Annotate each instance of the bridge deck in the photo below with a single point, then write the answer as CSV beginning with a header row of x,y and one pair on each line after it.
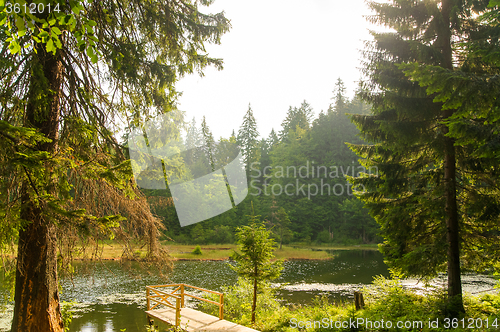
x,y
193,320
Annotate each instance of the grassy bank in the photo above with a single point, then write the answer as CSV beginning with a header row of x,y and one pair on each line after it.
x,y
388,307
213,252
112,250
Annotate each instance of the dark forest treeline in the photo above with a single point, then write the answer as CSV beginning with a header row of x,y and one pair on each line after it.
x,y
296,178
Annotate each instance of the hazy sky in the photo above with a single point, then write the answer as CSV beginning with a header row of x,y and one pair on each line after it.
x,y
277,54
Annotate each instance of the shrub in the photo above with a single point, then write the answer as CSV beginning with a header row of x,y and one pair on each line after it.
x,y
238,302
197,251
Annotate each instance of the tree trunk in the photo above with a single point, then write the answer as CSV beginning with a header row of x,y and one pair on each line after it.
x,y
455,300
254,303
36,293
36,288
281,237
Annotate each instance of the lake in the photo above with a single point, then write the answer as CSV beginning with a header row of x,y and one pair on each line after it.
x,y
112,298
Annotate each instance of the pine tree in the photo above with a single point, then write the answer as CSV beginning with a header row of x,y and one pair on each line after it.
x,y
339,96
296,117
272,140
257,250
209,147
473,92
192,141
59,155
248,139
415,194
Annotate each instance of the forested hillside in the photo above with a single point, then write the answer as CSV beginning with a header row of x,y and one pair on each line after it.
x,y
296,177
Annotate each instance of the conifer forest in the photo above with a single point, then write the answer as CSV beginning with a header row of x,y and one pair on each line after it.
x,y
410,161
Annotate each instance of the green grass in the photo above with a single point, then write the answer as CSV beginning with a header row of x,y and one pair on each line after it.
x,y
223,251
339,246
114,250
385,301
208,252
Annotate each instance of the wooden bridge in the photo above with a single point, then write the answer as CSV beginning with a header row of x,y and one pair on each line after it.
x,y
167,306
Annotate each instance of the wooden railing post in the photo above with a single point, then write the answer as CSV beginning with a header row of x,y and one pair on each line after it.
x,y
177,312
182,295
221,307
147,298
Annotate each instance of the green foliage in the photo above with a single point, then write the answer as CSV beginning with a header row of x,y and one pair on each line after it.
x,y
197,251
433,195
28,24
238,302
144,47
67,314
296,118
387,299
254,262
60,162
293,217
247,139
257,250
472,91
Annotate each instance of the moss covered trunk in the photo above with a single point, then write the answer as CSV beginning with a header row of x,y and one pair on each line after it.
x,y
36,289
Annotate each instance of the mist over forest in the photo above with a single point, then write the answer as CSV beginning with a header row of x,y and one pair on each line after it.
x,y
297,177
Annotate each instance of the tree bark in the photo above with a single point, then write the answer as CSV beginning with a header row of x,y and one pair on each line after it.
x,y
36,289
281,237
254,303
455,300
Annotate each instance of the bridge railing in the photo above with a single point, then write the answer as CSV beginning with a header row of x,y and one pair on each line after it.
x,y
159,295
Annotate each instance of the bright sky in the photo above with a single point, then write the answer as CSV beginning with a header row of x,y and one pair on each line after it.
x,y
277,54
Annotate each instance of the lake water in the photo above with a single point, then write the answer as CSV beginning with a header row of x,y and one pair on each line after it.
x,y
113,299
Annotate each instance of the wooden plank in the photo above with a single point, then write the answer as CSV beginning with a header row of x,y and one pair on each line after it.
x,y
202,299
193,320
161,293
202,289
158,286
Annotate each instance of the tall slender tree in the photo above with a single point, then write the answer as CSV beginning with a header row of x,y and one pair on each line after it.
x,y
414,195
193,142
296,117
209,147
248,139
254,261
272,140
473,92
59,155
339,96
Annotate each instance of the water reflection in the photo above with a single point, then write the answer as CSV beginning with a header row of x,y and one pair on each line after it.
x,y
112,298
337,278
111,317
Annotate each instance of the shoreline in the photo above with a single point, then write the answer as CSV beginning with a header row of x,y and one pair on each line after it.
x,y
112,251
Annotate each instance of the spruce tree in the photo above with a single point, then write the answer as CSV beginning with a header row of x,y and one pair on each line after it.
x,y
254,262
66,73
339,96
415,194
209,147
272,140
248,139
192,141
296,117
473,91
